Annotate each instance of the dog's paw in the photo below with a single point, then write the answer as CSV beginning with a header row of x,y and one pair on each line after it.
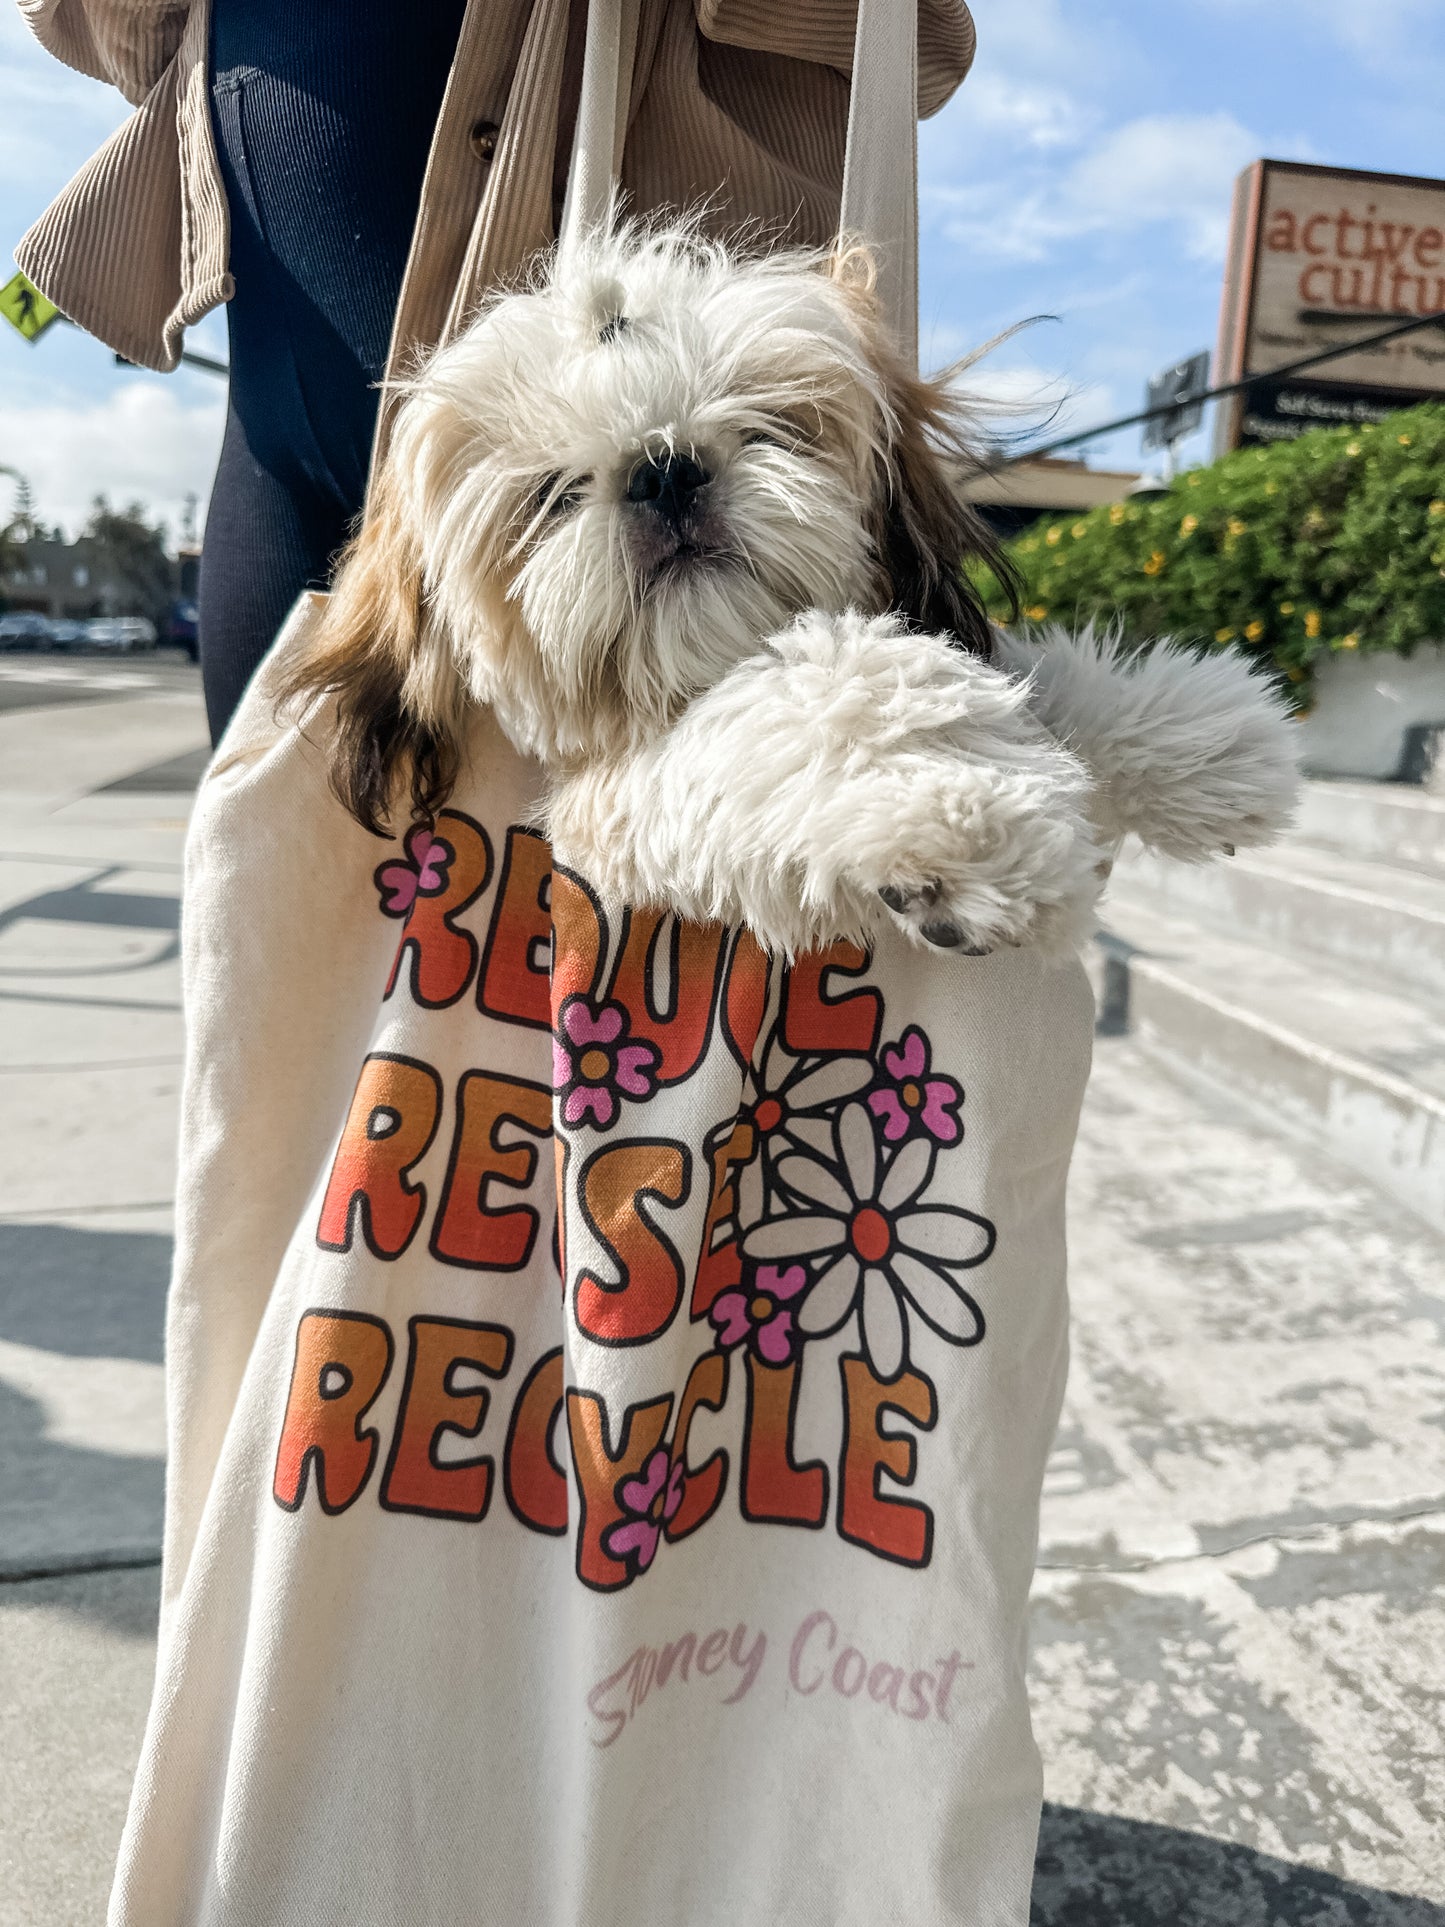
x,y
924,910
980,857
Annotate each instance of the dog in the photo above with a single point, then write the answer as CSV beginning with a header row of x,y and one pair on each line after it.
x,y
686,522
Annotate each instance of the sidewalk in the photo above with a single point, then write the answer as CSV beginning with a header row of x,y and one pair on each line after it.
x,y
1239,1617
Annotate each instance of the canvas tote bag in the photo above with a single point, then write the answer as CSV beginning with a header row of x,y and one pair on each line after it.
x,y
528,1560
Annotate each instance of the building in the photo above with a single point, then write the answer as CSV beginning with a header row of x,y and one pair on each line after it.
x,y
1010,498
79,579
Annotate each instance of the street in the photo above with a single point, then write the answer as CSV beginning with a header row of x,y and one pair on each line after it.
x,y
1239,1614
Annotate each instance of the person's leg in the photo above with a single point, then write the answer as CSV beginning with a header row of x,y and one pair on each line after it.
x,y
323,116
266,540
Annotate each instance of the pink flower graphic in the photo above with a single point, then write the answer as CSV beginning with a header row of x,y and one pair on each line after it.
x,y
763,1316
592,1060
877,1247
650,1501
908,1101
420,872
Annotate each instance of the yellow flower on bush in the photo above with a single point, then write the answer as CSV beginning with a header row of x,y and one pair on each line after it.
x,y
1117,514
1079,531
1352,448
1312,623
1224,635
1286,608
1054,536
1351,641
1036,611
1189,525
1253,630
1235,526
1155,564
1437,507
1404,440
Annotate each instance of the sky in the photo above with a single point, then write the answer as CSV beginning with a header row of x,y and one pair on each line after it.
x,y
1083,172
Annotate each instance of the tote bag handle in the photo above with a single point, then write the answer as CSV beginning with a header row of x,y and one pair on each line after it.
x,y
880,168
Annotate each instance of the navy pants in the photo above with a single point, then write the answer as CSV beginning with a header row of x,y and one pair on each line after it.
x,y
323,114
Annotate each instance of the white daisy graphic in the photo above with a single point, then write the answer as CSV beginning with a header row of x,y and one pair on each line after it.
x,y
791,1111
877,1247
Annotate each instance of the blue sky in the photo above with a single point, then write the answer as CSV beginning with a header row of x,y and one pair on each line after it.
x,y
1083,170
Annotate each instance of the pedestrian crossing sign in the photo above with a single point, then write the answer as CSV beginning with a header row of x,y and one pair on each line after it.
x,y
25,307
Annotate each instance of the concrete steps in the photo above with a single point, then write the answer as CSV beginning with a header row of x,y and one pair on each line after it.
x,y
1306,983
1378,917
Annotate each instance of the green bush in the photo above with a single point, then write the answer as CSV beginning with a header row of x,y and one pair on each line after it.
x,y
1335,541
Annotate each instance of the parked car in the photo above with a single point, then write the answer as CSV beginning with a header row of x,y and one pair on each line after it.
x,y
23,629
63,633
120,632
181,631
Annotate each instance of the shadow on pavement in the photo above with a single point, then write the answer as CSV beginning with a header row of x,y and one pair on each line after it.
x,y
125,1600
86,1294
1095,1870
68,1510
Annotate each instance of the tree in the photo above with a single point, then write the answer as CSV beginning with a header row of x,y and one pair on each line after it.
x,y
135,549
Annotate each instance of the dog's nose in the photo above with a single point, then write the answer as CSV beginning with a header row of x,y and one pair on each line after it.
x,y
667,483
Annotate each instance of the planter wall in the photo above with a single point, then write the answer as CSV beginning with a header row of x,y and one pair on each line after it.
x,y
1364,704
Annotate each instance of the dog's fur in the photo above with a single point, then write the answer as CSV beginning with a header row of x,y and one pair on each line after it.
x,y
772,696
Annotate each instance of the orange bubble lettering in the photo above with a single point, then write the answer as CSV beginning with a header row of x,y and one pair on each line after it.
x,y
515,979
391,1123
469,1230
342,1361
433,1404
615,1184
896,1529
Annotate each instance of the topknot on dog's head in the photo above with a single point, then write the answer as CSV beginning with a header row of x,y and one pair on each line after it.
x,y
618,481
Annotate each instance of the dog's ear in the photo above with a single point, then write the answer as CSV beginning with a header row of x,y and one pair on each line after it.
x,y
925,533
390,721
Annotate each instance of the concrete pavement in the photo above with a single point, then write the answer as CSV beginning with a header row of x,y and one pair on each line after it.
x,y
1239,1640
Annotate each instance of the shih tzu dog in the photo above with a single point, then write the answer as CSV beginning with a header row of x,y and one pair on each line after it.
x,y
687,523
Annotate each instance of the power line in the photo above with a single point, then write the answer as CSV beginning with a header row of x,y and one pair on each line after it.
x,y
1225,388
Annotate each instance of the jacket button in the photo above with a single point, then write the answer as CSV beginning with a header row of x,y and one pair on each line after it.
x,y
484,139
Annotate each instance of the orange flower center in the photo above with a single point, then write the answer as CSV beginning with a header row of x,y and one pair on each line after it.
x,y
871,1234
594,1064
655,1510
769,1115
911,1096
761,1308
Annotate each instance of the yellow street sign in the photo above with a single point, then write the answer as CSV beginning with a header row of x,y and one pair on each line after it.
x,y
25,307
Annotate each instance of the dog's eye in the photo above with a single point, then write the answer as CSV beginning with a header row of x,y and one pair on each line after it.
x,y
555,500
784,435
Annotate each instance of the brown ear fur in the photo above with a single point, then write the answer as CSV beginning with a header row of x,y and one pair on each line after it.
x,y
925,533
364,658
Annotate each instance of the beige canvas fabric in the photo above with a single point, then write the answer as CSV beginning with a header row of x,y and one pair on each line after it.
x,y
744,102
527,1561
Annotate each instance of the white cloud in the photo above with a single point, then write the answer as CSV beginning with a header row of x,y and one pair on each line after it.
x,y
1175,169
1166,167
147,440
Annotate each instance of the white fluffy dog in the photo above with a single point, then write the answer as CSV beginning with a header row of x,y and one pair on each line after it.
x,y
690,527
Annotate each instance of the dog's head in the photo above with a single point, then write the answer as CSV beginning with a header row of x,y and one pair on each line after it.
x,y
613,486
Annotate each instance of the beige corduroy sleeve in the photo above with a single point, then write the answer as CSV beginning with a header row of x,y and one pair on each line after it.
x,y
129,43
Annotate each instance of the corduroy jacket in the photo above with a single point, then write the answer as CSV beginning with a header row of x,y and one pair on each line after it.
x,y
743,102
